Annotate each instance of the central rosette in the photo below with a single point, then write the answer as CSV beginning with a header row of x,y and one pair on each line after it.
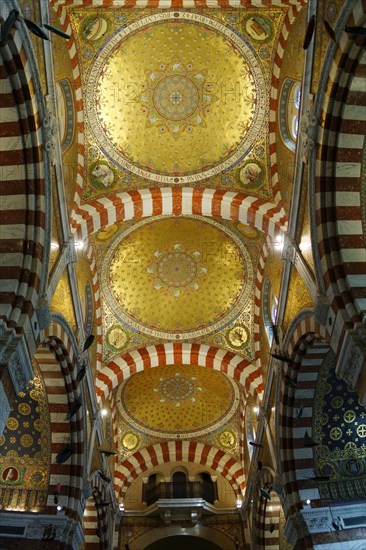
x,y
177,269
176,97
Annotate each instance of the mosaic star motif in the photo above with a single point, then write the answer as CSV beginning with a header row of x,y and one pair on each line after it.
x,y
176,270
176,98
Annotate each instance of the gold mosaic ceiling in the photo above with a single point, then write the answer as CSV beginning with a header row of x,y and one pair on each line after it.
x,y
174,402
162,88
176,97
176,277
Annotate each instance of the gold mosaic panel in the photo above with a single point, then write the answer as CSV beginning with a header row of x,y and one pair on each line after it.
x,y
177,401
176,277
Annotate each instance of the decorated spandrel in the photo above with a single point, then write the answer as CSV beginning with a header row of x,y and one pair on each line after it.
x,y
24,450
340,427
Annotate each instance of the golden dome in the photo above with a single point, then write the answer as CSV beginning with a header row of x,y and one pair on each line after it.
x,y
177,401
177,277
161,102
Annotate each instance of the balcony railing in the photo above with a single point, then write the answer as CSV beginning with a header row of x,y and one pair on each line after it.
x,y
179,489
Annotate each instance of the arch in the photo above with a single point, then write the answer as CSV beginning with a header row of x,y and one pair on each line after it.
x,y
96,520
266,514
335,180
56,358
295,419
293,11
24,188
227,362
180,451
178,201
199,531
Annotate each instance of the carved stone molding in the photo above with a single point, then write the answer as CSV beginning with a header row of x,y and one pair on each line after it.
x,y
353,356
49,132
308,129
43,314
20,367
8,342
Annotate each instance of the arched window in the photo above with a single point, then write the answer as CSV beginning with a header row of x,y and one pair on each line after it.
x,y
269,305
290,99
179,485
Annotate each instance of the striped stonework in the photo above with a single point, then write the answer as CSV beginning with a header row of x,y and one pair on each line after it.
x,y
179,201
293,11
179,451
266,514
56,360
296,418
56,4
337,191
22,190
234,366
96,519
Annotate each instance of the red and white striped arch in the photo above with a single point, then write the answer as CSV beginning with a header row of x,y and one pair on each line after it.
x,y
293,11
96,520
296,463
266,248
56,360
222,4
178,201
173,353
337,197
266,514
22,186
179,451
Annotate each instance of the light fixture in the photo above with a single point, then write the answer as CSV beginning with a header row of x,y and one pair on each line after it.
x,y
308,501
121,507
59,508
79,245
239,502
54,245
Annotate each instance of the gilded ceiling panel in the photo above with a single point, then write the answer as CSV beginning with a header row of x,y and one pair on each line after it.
x,y
178,402
177,278
176,97
25,448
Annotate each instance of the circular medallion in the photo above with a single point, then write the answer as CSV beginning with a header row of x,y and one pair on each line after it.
x,y
177,388
130,441
177,86
192,275
335,433
337,402
361,430
176,97
171,401
177,269
238,336
26,440
227,439
349,416
12,423
24,408
116,338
